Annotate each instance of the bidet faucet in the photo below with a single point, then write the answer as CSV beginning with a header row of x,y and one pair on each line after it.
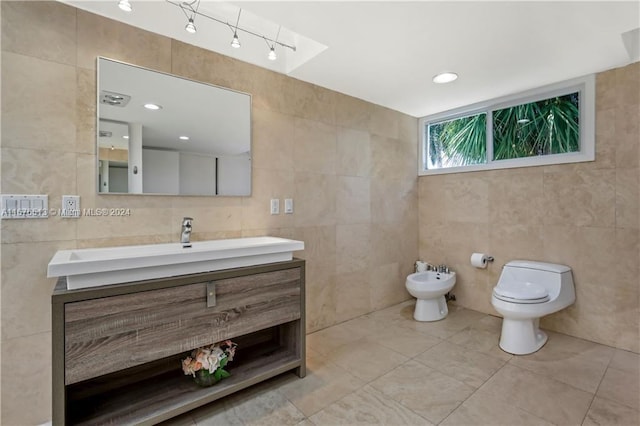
x,y
185,235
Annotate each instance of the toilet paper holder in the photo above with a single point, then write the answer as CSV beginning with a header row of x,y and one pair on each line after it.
x,y
480,260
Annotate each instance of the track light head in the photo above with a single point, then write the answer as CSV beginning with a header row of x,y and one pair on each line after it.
x,y
190,27
272,54
236,42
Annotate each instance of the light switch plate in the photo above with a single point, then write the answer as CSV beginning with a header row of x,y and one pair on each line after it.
x,y
288,206
24,206
275,206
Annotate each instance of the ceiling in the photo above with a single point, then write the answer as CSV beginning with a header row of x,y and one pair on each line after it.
x,y
388,52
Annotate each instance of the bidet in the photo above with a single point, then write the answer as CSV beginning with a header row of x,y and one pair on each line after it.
x,y
429,288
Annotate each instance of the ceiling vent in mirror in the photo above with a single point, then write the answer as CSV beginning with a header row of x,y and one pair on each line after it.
x,y
114,99
105,133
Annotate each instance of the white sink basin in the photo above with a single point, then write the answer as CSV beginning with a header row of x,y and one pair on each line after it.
x,y
112,265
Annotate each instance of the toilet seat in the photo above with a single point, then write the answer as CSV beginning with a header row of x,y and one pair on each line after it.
x,y
519,292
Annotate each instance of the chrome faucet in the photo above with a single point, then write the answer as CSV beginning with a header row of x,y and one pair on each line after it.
x,y
185,235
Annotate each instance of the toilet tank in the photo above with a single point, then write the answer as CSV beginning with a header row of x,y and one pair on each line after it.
x,y
549,275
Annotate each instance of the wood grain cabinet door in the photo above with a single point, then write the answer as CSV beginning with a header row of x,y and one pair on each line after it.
x,y
113,333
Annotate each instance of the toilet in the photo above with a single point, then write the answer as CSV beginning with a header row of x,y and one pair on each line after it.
x,y
527,291
429,288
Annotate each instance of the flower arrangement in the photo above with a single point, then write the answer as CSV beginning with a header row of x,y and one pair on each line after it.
x,y
207,364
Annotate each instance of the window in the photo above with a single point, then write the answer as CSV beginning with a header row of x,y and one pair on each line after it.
x,y
551,125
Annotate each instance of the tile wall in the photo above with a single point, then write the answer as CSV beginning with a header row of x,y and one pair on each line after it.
x,y
348,164
583,215
350,167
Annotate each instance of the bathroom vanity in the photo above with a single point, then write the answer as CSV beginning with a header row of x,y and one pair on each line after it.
x,y
117,349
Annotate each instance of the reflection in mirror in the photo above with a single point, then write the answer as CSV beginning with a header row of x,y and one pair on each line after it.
x,y
163,134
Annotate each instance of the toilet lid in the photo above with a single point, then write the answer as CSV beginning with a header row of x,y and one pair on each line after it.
x,y
521,291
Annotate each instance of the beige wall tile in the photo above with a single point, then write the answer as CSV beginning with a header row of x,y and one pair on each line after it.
x,y
606,90
515,197
140,222
391,200
387,285
519,241
273,140
392,159
408,131
627,255
384,122
314,148
353,200
29,171
202,65
353,245
26,393
353,152
584,198
320,299
40,29
605,139
39,110
315,199
207,220
99,36
85,111
353,295
627,134
628,85
627,198
589,251
308,101
352,112
26,290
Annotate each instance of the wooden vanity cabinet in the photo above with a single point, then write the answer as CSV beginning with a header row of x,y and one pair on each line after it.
x,y
117,348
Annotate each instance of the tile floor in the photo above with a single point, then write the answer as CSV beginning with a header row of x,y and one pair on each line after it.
x,y
385,368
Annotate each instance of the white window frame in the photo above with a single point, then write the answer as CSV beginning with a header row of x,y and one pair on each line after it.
x,y
584,85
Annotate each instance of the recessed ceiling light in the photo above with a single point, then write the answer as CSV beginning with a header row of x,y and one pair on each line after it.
x,y
153,107
125,137
125,5
184,138
445,77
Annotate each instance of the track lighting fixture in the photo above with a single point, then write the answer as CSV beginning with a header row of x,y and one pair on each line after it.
x,y
190,10
125,5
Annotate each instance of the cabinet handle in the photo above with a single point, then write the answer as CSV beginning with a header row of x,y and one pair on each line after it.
x,y
211,294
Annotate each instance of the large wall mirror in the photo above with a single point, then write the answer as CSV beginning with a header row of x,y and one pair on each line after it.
x,y
163,134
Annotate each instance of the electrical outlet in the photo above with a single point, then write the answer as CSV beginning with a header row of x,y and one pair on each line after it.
x,y
70,206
